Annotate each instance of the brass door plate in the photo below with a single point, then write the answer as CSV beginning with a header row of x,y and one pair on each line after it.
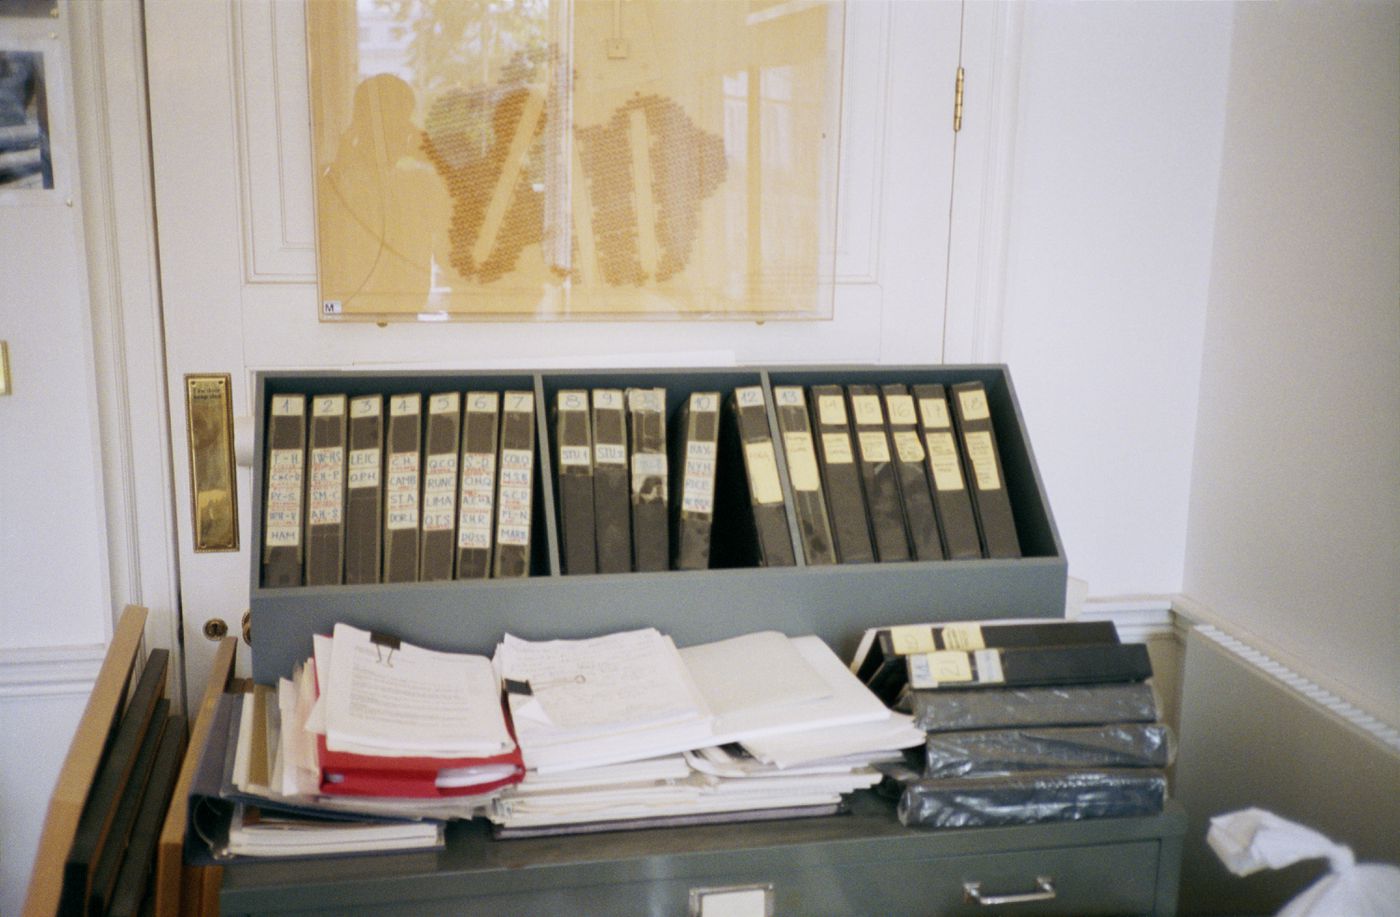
x,y
213,483
5,368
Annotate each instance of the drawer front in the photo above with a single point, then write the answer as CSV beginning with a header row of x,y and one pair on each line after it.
x,y
1083,881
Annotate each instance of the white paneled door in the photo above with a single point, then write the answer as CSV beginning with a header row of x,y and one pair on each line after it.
x,y
233,183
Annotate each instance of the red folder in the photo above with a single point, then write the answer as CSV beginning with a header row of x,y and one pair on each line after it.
x,y
350,774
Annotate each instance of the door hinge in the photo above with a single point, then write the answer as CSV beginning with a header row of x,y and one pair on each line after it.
x,y
958,103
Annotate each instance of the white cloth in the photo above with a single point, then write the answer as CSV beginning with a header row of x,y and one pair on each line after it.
x,y
1253,839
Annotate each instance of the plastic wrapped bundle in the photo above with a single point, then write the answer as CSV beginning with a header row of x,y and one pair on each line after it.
x,y
999,751
1007,708
1031,797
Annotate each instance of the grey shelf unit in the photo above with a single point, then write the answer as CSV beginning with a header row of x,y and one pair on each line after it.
x,y
835,602
861,863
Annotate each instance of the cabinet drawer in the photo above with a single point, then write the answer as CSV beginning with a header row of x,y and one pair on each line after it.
x,y
1084,881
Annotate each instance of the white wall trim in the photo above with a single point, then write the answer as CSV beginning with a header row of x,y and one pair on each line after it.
x,y
49,671
983,176
128,336
1137,618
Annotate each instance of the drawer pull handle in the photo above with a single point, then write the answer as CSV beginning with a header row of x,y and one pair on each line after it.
x,y
1044,891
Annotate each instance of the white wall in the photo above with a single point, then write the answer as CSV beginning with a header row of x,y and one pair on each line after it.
x,y
1116,163
1295,513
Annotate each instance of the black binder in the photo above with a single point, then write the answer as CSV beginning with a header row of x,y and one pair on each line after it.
x,y
765,488
574,477
285,488
989,496
646,423
696,463
515,495
364,490
130,890
612,504
110,783
909,465
440,448
325,492
1029,666
878,474
476,516
813,523
845,499
402,466
956,520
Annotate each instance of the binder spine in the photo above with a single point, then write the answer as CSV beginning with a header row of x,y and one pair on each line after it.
x,y
878,475
765,487
909,457
1029,666
282,555
401,486
515,495
574,471
809,502
612,506
850,527
697,461
988,483
651,543
956,521
325,496
440,486
475,516
363,490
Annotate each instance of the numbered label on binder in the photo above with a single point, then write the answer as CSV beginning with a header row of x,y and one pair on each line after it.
x,y
984,461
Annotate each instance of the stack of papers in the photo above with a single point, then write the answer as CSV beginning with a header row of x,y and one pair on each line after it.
x,y
767,726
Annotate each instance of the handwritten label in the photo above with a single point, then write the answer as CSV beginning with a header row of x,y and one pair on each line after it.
x,y
929,670
404,405
478,493
517,486
482,402
520,402
836,447
912,639
647,465
575,455
802,461
325,496
908,447
364,468
974,404
989,667
789,396
607,399
749,397
831,409
611,454
984,461
401,491
901,410
328,406
288,405
445,403
645,399
866,409
935,411
874,447
365,407
698,486
764,486
704,402
962,637
284,471
573,401
439,492
943,462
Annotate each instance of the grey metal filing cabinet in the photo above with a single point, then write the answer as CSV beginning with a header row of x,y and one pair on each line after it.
x,y
861,863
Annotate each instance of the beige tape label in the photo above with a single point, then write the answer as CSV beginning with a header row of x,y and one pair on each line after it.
x,y
478,492
802,461
962,636
831,409
482,402
573,401
866,409
364,468
404,405
935,413
790,396
328,406
284,471
401,491
974,404
440,492
901,410
698,486
943,462
749,396
288,405
764,486
984,460
517,484
908,447
607,399
325,495
520,402
365,407
836,447
929,670
911,639
445,403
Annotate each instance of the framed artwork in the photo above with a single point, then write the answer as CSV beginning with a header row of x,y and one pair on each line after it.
x,y
575,159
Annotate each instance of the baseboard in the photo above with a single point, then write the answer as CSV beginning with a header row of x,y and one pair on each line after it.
x,y
49,671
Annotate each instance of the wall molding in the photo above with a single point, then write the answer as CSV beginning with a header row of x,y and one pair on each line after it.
x,y
49,671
